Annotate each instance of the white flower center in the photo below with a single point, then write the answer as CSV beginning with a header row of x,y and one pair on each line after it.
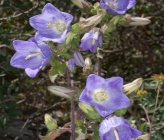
x,y
112,4
100,95
58,26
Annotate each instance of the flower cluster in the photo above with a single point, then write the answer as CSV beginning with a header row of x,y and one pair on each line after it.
x,y
33,54
106,96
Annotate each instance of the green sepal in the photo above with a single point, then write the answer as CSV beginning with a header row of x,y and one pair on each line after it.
x,y
90,112
57,68
120,112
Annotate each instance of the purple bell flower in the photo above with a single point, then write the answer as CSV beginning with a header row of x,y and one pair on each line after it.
x,y
91,40
104,94
117,7
117,128
30,56
52,24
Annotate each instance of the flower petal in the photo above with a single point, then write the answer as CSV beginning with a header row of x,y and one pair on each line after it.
x,y
86,97
123,132
134,132
121,5
46,51
94,82
109,136
59,39
19,61
86,44
52,10
31,73
131,4
40,23
24,46
68,18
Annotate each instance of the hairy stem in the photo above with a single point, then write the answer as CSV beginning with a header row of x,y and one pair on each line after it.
x,y
99,66
72,107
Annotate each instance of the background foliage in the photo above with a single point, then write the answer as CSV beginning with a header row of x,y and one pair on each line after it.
x,y
134,52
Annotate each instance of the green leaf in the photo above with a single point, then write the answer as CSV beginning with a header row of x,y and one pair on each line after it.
x,y
65,55
57,68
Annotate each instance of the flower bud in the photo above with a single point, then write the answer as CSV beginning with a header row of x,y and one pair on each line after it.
x,y
61,91
133,86
86,24
89,111
88,68
136,21
82,4
144,137
79,61
50,123
88,63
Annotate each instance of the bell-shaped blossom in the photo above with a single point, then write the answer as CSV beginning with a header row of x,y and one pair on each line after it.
x,y
52,24
30,56
117,128
104,94
117,7
91,40
77,60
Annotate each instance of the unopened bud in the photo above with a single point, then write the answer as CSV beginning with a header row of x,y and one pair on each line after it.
x,y
82,4
88,63
136,21
86,24
50,123
133,86
144,137
79,61
61,91
89,111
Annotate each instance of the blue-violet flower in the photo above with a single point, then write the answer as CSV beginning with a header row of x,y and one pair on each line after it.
x,y
30,56
117,7
117,128
104,94
91,40
52,24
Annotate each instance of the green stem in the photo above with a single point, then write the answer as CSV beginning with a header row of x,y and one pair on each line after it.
x,y
156,102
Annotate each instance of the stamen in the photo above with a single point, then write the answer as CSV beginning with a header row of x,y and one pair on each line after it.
x,y
100,96
93,42
31,55
49,25
116,134
59,26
